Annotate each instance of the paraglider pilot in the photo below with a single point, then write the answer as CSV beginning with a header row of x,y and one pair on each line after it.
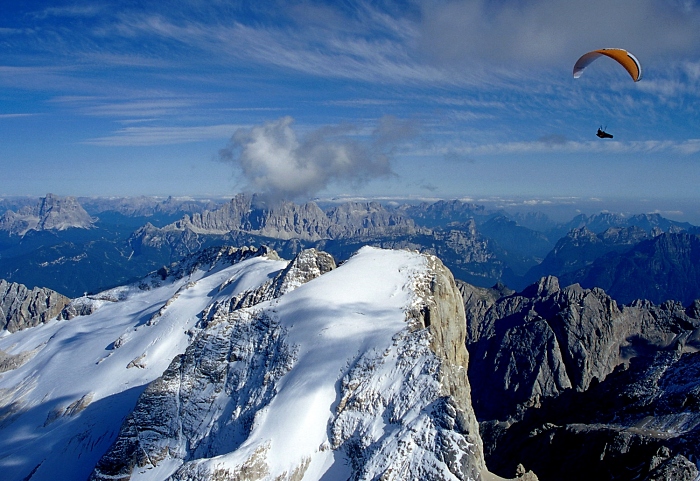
x,y
603,134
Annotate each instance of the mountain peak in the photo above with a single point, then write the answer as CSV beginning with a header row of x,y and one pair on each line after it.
x,y
354,371
51,213
545,287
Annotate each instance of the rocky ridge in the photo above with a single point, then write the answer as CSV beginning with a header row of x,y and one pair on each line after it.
x,y
286,220
480,246
581,246
144,206
21,307
470,255
660,268
652,224
557,368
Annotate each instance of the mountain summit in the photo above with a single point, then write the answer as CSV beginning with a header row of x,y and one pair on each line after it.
x,y
235,364
51,213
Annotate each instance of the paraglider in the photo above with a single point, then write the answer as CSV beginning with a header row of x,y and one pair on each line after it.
x,y
628,61
603,134
623,57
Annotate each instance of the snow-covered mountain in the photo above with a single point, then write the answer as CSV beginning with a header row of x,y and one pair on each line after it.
x,y
239,365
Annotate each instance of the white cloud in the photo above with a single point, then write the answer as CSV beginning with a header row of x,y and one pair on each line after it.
x,y
688,147
133,108
381,52
276,161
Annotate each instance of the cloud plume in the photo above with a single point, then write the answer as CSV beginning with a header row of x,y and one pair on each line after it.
x,y
276,161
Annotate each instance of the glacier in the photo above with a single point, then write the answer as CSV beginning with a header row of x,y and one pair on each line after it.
x,y
239,365
62,408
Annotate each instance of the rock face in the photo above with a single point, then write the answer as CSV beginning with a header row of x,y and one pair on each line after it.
x,y
21,308
442,213
652,224
581,247
665,267
249,398
562,368
629,263
479,246
51,213
286,220
442,308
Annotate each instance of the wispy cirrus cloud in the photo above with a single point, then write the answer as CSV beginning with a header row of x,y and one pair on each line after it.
x,y
135,107
149,136
377,53
547,32
484,78
11,31
556,144
139,108
460,43
88,10
14,116
438,43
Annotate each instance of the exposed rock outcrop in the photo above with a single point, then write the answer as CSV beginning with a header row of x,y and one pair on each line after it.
x,y
307,265
236,350
21,307
545,340
145,206
444,212
69,385
207,258
652,224
441,313
583,388
339,230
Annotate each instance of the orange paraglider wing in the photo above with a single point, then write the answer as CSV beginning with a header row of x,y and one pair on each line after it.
x,y
623,57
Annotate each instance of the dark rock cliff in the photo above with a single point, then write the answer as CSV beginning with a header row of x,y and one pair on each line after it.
x,y
581,387
21,307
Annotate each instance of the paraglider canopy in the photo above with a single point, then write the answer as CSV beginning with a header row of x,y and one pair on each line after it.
x,y
623,57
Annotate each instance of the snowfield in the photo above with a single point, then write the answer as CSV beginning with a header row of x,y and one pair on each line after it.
x,y
331,322
328,379
62,409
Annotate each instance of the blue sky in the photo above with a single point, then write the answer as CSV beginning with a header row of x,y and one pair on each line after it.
x,y
307,99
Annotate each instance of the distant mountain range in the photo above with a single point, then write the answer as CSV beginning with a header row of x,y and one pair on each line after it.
x,y
61,245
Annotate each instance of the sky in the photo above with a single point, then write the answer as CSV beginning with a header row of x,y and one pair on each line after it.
x,y
320,99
